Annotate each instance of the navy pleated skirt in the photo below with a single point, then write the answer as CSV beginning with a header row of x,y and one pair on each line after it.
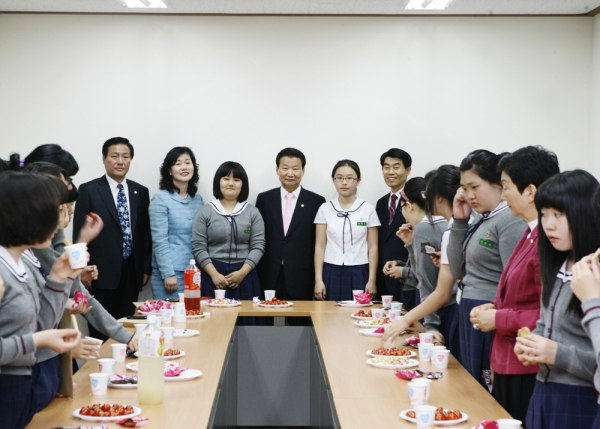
x,y
341,280
248,289
449,329
561,406
474,345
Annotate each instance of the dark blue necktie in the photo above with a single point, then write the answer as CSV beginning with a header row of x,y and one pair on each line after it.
x,y
123,212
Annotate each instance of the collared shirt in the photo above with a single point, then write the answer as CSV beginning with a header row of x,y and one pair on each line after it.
x,y
115,191
532,225
397,194
294,200
17,269
347,231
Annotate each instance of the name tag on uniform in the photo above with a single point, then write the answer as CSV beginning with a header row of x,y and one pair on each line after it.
x,y
486,243
361,223
247,231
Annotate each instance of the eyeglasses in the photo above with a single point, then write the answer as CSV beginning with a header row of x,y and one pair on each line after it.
x,y
340,179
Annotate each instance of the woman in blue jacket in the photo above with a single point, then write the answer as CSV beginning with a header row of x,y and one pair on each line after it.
x,y
172,212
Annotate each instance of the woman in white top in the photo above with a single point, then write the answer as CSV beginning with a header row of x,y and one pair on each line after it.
x,y
346,242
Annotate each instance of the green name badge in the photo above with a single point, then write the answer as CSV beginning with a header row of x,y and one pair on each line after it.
x,y
247,231
486,243
361,223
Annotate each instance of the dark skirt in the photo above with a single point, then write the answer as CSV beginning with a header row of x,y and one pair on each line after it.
x,y
248,289
596,424
513,392
561,406
15,401
409,298
47,377
449,329
341,280
474,345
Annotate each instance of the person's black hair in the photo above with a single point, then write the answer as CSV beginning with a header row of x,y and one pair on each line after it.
x,y
346,163
399,154
224,170
115,141
73,194
50,152
570,193
484,163
530,165
290,152
53,171
444,182
413,189
29,212
46,168
166,180
4,166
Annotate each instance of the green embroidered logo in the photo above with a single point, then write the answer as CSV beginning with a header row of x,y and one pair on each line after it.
x,y
361,223
486,243
247,231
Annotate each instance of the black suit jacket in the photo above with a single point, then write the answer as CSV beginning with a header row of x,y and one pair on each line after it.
x,y
391,248
297,248
106,251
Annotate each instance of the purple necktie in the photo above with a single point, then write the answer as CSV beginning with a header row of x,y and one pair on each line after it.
x,y
392,209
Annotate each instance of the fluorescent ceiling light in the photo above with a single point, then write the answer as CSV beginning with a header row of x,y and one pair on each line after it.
x,y
428,4
144,4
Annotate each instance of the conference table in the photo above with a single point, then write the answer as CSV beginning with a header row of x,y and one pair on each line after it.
x,y
362,395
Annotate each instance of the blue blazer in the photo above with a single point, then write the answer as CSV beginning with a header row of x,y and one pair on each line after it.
x,y
171,219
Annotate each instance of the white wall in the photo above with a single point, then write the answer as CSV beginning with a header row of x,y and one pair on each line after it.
x,y
242,88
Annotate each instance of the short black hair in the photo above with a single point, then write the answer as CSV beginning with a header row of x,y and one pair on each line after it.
x,y
224,170
31,217
444,182
570,193
346,163
530,165
115,141
399,154
73,194
413,190
166,180
484,163
291,153
53,171
50,152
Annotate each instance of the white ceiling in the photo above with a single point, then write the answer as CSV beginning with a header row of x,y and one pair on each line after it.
x,y
311,7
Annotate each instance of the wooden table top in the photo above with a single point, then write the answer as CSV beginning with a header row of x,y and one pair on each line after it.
x,y
364,396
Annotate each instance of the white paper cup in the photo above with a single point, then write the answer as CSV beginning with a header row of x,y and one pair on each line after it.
x,y
77,255
425,416
99,382
425,337
426,382
441,359
168,334
166,314
394,314
509,424
179,315
269,294
356,292
417,393
377,313
386,300
396,306
106,366
434,350
118,352
139,327
425,352
220,293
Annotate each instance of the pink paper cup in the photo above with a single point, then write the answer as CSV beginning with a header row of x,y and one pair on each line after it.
x,y
441,359
119,351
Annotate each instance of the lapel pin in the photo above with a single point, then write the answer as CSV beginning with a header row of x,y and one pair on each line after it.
x,y
488,234
301,205
135,192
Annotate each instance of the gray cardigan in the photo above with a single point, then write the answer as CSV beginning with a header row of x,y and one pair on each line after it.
x,y
575,360
25,308
98,317
487,252
426,272
213,237
591,326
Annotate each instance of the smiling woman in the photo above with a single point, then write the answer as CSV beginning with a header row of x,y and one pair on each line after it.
x,y
172,211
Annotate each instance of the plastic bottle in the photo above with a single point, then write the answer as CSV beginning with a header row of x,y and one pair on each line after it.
x,y
151,372
191,286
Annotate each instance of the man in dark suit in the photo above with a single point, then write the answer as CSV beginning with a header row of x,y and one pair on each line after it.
x,y
395,166
289,211
123,249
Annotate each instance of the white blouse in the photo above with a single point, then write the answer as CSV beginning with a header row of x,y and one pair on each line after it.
x,y
347,231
